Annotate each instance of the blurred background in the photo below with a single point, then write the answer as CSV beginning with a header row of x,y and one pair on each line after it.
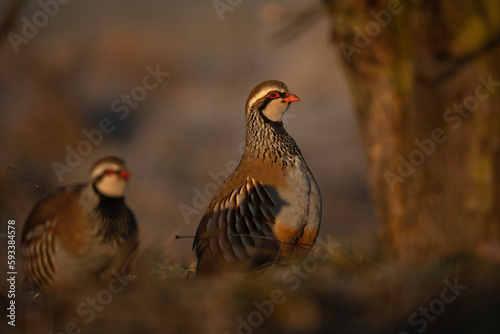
x,y
86,62
66,79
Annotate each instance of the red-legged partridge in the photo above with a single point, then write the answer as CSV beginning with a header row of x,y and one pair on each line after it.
x,y
76,236
269,209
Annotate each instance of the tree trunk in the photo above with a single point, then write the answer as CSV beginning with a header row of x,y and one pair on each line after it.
x,y
425,81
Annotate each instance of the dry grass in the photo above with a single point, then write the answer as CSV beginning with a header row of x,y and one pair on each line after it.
x,y
343,294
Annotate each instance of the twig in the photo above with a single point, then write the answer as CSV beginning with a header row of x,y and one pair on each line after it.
x,y
183,236
36,186
295,244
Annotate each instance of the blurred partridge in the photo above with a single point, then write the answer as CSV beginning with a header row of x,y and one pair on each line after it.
x,y
269,209
76,236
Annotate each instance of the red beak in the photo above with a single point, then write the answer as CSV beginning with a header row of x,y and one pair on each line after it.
x,y
124,174
290,98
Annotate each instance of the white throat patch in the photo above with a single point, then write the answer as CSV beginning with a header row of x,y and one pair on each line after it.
x,y
275,110
111,185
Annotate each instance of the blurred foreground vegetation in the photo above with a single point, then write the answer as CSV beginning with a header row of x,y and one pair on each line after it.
x,y
328,292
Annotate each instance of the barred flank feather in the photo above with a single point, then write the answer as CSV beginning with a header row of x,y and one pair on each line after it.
x,y
38,249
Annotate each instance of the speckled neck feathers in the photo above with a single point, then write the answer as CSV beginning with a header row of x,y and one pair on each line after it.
x,y
117,223
266,139
112,218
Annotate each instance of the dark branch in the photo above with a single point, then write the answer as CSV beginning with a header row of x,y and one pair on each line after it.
x,y
465,59
183,236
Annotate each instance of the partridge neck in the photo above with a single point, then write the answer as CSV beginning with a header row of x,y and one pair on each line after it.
x,y
112,213
266,139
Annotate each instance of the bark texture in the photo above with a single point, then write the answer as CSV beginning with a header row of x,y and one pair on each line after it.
x,y
425,81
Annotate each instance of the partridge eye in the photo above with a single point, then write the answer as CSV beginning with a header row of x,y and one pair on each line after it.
x,y
110,171
273,95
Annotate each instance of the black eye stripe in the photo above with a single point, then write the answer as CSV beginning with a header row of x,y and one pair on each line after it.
x,y
110,172
262,103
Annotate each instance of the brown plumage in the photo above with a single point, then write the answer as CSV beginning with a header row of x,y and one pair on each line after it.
x,y
269,209
76,236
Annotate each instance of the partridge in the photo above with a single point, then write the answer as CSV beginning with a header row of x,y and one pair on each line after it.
x,y
76,236
269,209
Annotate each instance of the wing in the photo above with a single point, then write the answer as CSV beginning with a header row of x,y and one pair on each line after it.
x,y
38,238
38,254
237,230
38,244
